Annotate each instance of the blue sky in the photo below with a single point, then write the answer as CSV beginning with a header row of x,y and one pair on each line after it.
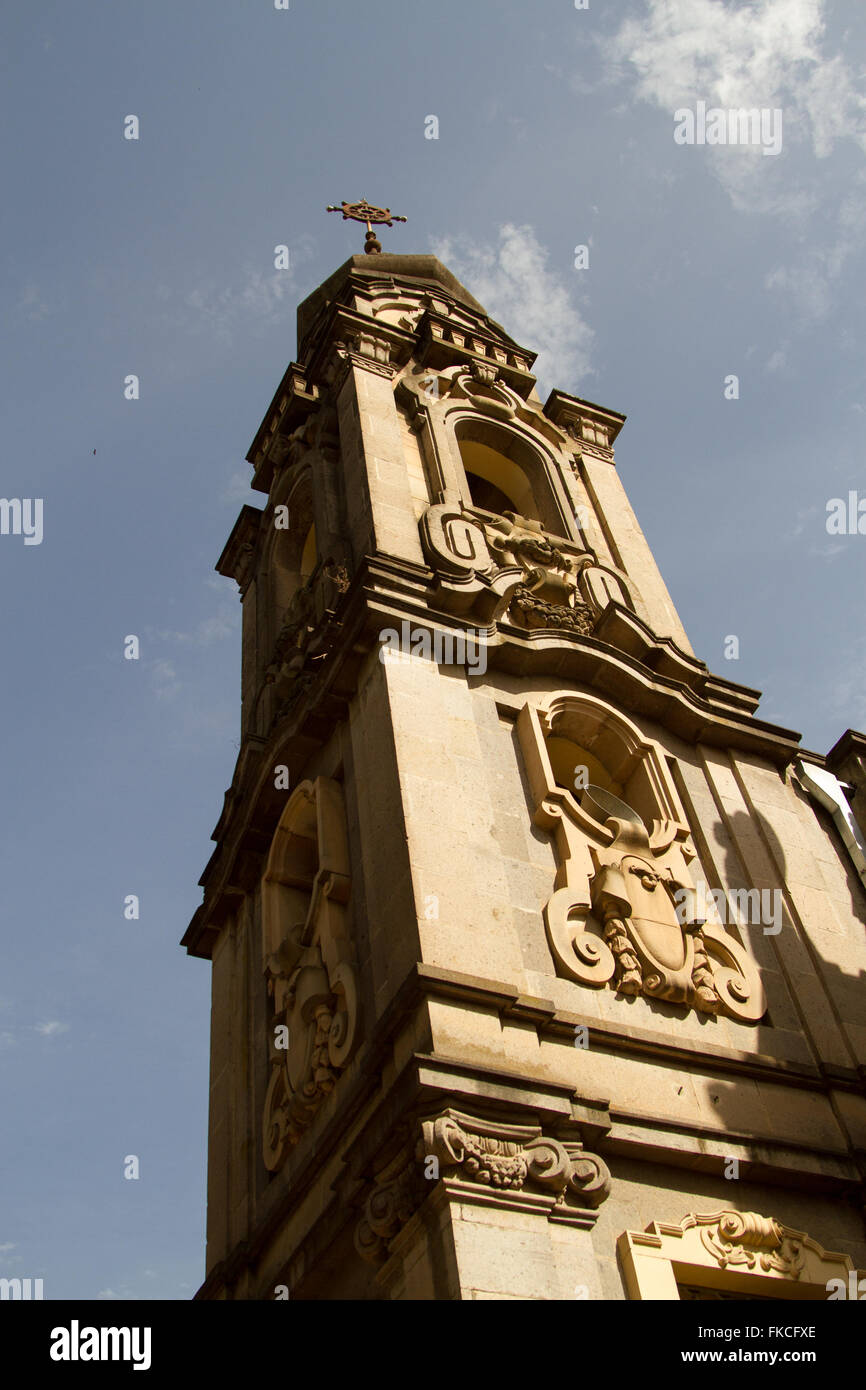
x,y
156,257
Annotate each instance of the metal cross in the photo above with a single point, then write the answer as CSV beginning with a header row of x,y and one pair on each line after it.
x,y
364,212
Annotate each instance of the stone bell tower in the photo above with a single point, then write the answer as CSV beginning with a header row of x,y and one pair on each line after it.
x,y
537,959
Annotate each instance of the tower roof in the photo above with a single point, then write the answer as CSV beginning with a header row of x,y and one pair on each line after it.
x,y
424,270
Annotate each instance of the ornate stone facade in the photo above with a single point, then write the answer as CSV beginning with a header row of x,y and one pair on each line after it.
x,y
469,1011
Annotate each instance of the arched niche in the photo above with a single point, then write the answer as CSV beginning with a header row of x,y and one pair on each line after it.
x,y
568,758
614,750
624,912
309,963
504,472
291,553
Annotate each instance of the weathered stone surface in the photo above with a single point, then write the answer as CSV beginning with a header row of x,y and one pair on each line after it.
x,y
528,1013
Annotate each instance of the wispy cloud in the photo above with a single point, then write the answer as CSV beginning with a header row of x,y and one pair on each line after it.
x,y
805,520
208,631
767,54
224,622
847,693
778,360
52,1028
514,282
35,304
237,488
14,1033
164,679
830,550
257,295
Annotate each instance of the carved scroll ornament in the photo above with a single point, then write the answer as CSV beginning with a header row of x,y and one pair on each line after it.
x,y
516,1156
747,1238
491,1156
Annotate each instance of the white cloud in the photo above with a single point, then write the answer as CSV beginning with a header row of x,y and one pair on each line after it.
x,y
51,1029
514,282
766,54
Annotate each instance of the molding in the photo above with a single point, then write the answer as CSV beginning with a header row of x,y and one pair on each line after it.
x,y
293,401
484,1161
239,554
729,1252
551,1021
591,427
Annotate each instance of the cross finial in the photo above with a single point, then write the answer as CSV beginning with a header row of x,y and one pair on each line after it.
x,y
364,212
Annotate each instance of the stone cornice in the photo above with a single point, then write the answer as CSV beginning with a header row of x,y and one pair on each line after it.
x,y
628,680
237,560
593,427
293,401
509,1003
444,344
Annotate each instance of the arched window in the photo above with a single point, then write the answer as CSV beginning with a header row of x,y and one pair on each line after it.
x,y
505,473
497,483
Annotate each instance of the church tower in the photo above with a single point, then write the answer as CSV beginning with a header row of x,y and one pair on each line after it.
x,y
538,956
